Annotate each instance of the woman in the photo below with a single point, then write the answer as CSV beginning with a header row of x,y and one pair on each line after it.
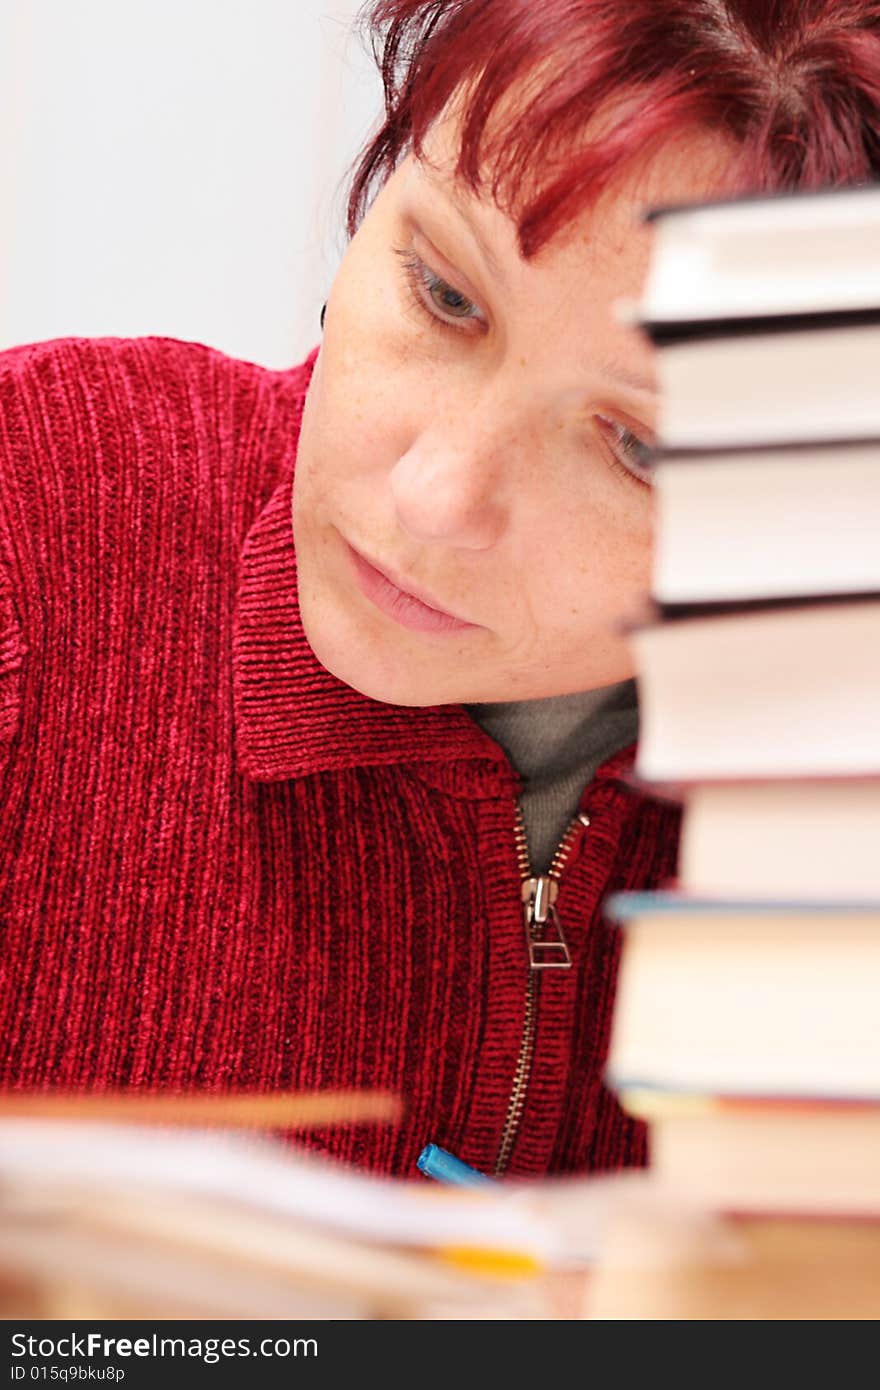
x,y
315,714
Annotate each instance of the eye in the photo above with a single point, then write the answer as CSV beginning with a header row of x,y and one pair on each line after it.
x,y
631,456
434,297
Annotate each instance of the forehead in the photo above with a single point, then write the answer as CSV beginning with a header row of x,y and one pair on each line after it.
x,y
689,166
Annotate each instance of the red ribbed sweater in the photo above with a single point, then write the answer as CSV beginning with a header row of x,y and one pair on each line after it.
x,y
220,867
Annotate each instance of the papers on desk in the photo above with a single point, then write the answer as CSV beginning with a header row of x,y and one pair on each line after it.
x,y
218,1224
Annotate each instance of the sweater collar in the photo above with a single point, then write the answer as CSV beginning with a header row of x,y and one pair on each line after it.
x,y
294,718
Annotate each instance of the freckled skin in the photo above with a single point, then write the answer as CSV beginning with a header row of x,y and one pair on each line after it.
x,y
470,461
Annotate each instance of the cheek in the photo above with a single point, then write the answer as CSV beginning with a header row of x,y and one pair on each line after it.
x,y
310,429
356,427
379,384
601,568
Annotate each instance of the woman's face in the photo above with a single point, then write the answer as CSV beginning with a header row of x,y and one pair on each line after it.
x,y
474,428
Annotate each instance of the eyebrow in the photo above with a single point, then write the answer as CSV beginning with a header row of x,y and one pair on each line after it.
x,y
614,372
458,200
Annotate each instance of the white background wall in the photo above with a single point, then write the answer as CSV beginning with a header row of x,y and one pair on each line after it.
x,y
176,167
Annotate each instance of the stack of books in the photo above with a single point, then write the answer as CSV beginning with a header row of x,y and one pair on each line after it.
x,y
747,1027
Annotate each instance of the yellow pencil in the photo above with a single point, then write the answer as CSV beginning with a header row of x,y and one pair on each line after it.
x,y
498,1264
283,1110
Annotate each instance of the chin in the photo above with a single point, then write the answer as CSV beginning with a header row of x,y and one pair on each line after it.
x,y
388,678
388,688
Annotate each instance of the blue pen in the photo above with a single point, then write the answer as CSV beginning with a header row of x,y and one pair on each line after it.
x,y
435,1162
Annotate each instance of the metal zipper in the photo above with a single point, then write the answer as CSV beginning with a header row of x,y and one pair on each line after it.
x,y
547,949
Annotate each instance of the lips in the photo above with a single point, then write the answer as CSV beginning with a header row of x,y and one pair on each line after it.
x,y
409,609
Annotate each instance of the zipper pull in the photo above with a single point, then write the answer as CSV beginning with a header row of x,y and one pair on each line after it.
x,y
548,948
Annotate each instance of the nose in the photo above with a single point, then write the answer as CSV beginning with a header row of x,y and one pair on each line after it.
x,y
451,491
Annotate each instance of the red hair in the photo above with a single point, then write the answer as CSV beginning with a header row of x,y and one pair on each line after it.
x,y
794,83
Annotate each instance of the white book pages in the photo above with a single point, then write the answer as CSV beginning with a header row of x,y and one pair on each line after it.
x,y
782,840
800,254
272,1179
768,524
250,1191
789,692
781,1158
755,1003
769,388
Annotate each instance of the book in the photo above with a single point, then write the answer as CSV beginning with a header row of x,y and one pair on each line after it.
x,y
789,838
785,690
804,381
790,520
672,1259
793,252
746,998
815,1156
